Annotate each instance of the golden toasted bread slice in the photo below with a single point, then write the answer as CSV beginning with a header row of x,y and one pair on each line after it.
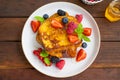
x,y
55,41
38,37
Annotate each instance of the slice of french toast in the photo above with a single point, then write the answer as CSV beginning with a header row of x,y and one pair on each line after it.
x,y
55,41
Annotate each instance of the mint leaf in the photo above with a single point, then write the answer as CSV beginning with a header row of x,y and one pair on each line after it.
x,y
44,54
79,36
41,19
85,38
47,61
79,29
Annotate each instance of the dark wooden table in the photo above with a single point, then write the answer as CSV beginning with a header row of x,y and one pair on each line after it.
x,y
13,64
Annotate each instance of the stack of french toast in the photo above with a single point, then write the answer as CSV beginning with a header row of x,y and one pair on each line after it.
x,y
55,40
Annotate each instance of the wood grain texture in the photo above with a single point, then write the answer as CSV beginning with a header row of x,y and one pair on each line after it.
x,y
12,57
14,65
32,74
11,29
23,8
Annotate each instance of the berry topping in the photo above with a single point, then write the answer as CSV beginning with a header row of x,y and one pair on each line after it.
x,y
40,50
40,58
79,30
65,20
69,31
56,24
36,52
61,12
75,33
54,59
45,16
60,64
73,38
87,31
35,25
84,44
71,27
79,17
43,56
81,55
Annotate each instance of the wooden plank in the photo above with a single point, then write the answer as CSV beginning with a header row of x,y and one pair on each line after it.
x,y
12,57
109,31
11,29
32,74
24,8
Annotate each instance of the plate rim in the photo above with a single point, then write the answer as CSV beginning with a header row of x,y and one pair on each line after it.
x,y
98,31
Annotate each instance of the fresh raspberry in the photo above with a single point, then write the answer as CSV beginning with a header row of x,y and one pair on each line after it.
x,y
79,17
69,31
60,64
40,58
71,27
40,50
36,52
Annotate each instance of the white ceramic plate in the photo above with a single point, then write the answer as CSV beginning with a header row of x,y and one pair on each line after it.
x,y
71,67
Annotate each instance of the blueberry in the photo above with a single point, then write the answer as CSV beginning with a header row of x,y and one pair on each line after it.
x,y
54,59
84,44
61,12
45,16
65,20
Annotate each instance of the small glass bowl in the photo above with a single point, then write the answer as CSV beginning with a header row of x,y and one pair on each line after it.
x,y
91,2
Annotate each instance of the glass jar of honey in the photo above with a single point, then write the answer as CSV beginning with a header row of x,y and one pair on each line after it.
x,y
112,12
